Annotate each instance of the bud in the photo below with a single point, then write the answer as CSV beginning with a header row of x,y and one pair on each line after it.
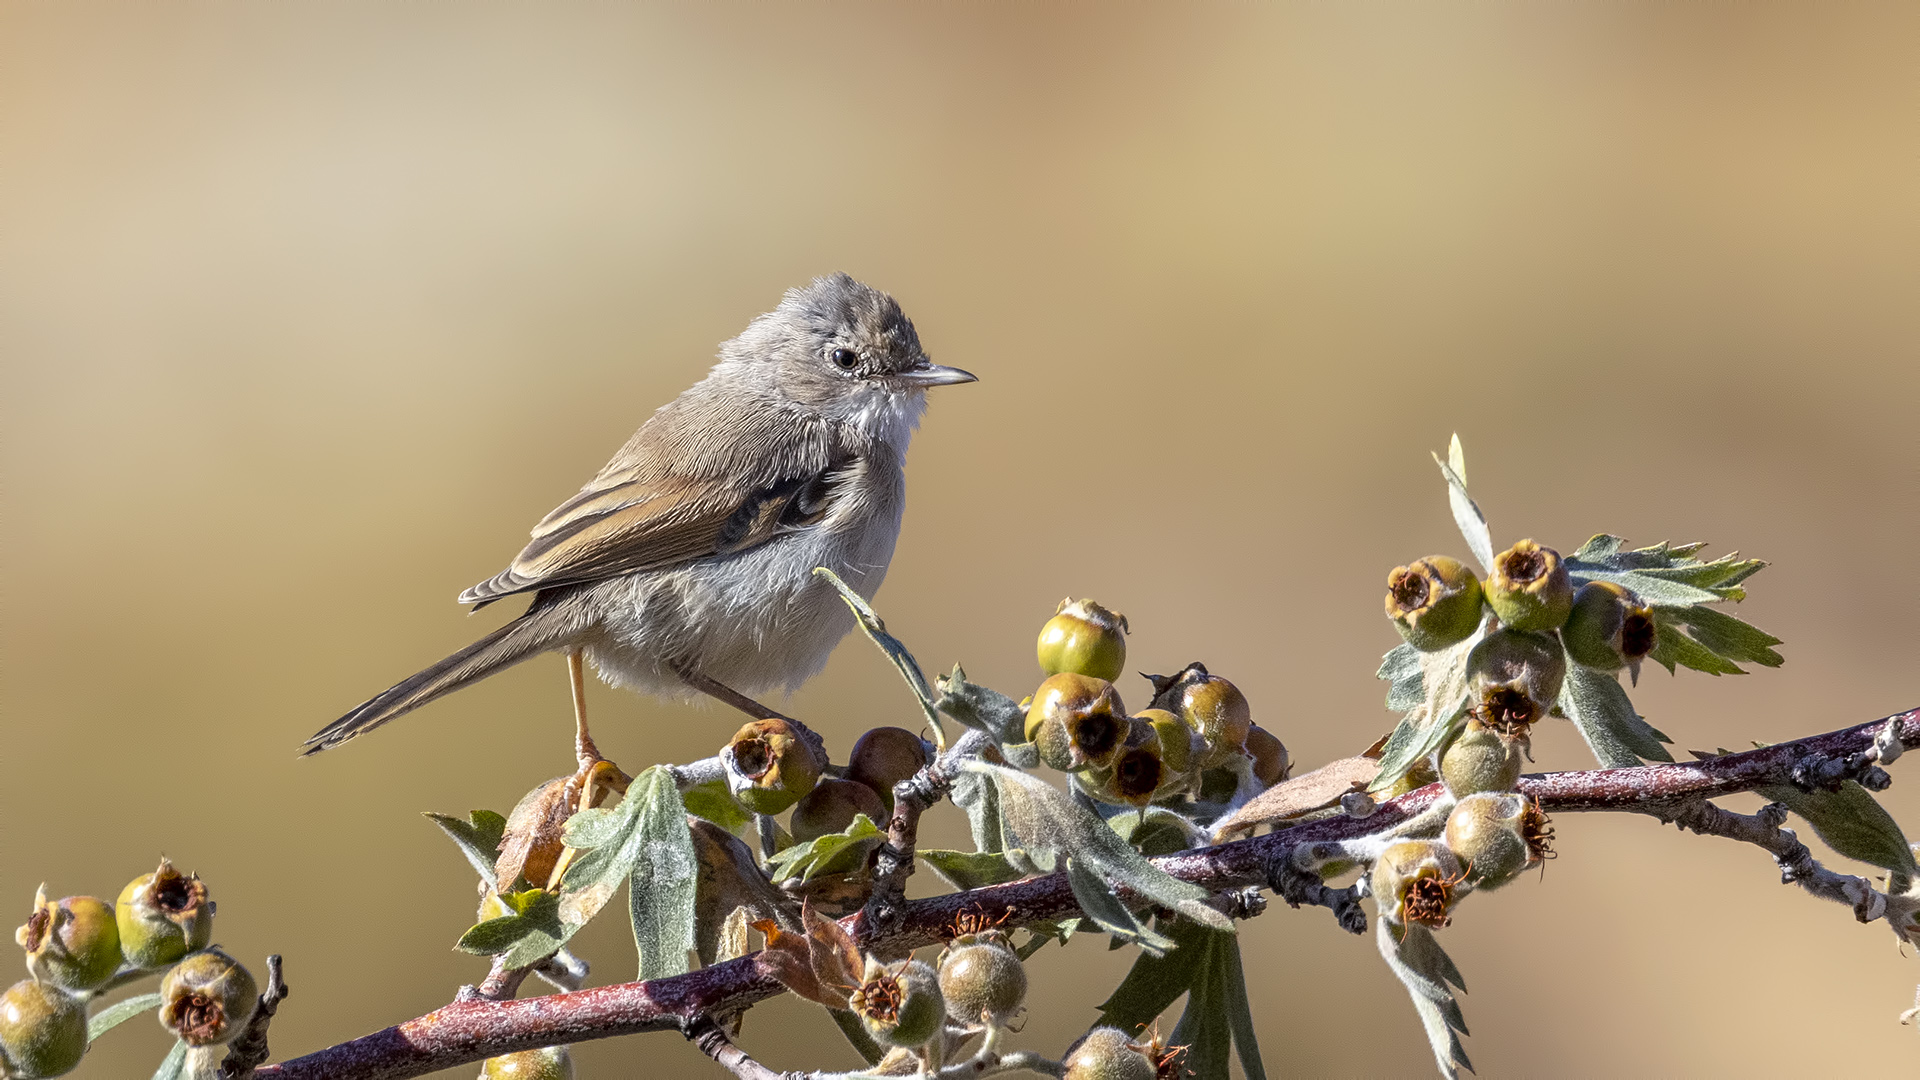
x,y
1481,759
43,1031
830,807
1515,678
162,917
1417,881
1530,589
770,766
207,999
1609,628
1211,706
982,979
885,756
1498,836
900,1006
1077,722
1270,761
72,943
1107,1053
1086,639
546,1063
1435,602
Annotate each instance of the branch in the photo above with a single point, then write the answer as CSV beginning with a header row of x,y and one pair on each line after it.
x,y
467,1031
1797,864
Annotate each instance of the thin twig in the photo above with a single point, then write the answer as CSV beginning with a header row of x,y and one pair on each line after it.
x,y
893,862
1797,864
713,1042
249,1050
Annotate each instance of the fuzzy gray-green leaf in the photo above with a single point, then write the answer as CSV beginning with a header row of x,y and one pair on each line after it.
x,y
966,870
1096,898
1401,668
1466,512
1157,981
1424,968
119,1013
981,707
1600,708
174,1065
876,631
478,838
1730,637
1852,822
664,880
714,802
832,853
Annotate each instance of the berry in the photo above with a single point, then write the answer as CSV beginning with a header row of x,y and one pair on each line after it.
x,y
1107,1053
43,1031
1530,589
162,917
770,766
1077,722
72,943
1434,603
1609,628
1086,639
207,999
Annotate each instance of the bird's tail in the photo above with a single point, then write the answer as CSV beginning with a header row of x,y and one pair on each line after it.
x,y
542,628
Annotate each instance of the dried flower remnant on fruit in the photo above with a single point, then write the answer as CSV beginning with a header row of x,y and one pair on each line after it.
x,y
1433,602
73,942
1077,722
1609,628
1084,638
900,1006
1514,677
207,999
1530,588
1537,829
162,917
1417,881
770,766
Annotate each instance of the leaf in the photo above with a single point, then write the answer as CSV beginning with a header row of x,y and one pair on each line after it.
x,y
1466,513
832,853
1401,668
1672,646
1106,910
981,707
531,933
119,1013
1298,795
174,1065
966,870
1204,1029
714,802
876,631
1427,725
1730,637
1662,575
1157,980
664,882
1155,830
1239,1009
1852,822
1600,708
1049,826
981,800
1424,968
857,1036
478,838
731,884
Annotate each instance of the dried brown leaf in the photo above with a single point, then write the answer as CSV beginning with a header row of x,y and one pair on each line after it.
x,y
1303,794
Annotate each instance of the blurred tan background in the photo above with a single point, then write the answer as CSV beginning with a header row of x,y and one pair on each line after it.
x,y
312,310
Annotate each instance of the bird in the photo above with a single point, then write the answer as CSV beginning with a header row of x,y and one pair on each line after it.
x,y
685,566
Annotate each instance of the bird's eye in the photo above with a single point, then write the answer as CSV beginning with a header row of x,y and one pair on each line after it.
x,y
844,359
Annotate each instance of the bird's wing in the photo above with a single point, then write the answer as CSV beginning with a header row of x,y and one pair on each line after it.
x,y
620,523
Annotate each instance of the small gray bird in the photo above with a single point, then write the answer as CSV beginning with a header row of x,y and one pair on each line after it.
x,y
687,563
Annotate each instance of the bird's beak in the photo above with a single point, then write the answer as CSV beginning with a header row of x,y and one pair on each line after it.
x,y
934,375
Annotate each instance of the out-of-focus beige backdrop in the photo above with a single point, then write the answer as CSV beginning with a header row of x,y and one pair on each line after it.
x,y
311,310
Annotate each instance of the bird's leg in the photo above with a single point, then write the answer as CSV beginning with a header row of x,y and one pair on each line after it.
x,y
583,749
720,691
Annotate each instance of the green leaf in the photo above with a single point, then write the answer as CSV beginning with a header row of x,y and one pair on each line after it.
x,y
1424,968
1852,822
1428,724
876,630
1157,980
981,800
1662,575
833,853
1155,831
1600,708
966,870
1466,512
532,933
714,802
119,1013
478,838
1401,668
1205,965
664,881
174,1065
1239,1009
1096,898
1672,646
1730,637
981,707
1204,1028
595,827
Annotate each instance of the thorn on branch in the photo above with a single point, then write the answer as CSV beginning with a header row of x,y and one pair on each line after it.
x,y
249,1051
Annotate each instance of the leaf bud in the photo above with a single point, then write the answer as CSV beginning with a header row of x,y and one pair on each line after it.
x,y
1609,628
43,1031
1434,603
1497,835
1211,706
1515,678
1107,1053
207,999
72,943
1530,589
1086,639
982,979
1077,722
546,1063
162,917
900,1006
1270,761
770,766
1481,759
884,756
830,807
1417,881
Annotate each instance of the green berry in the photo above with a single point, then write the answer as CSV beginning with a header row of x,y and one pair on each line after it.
x,y
1086,639
1486,832
1107,1053
885,756
1416,881
546,1063
770,766
207,999
982,979
1481,759
1077,722
1176,739
830,807
1515,678
1530,589
901,1006
43,1030
1609,628
162,917
1434,603
72,943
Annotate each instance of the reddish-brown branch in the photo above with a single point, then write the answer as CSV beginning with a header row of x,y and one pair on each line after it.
x,y
472,1030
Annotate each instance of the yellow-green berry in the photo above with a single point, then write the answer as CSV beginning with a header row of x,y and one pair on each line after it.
x,y
900,1006
162,917
43,1031
546,1063
1077,722
72,943
1434,602
1496,836
1481,759
1176,742
884,756
831,806
1609,628
770,766
1086,639
207,999
982,979
1529,588
1107,1053
1514,678
1417,881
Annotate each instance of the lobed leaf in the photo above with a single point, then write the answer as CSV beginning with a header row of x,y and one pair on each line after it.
x,y
715,803
531,933
1424,968
967,870
1406,683
664,882
1600,709
832,853
478,838
1852,822
981,707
